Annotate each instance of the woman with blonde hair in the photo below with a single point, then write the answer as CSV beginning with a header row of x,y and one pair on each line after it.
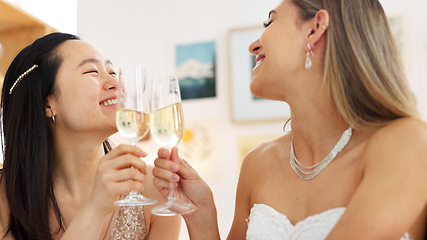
x,y
353,165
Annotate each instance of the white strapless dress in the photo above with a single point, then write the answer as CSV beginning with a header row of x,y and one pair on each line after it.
x,y
266,223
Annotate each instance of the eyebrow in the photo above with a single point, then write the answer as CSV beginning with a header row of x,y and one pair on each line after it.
x,y
93,60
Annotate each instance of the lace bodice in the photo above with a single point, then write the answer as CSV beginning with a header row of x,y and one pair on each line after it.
x,y
266,223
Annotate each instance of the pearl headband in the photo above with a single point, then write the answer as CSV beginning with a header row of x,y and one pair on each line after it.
x,y
21,77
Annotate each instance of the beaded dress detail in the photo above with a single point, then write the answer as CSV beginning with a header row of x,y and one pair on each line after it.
x,y
129,224
265,223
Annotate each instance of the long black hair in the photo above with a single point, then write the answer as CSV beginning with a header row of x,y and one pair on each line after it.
x,y
28,143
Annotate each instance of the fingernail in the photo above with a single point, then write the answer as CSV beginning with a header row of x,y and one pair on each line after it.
x,y
175,177
174,167
143,154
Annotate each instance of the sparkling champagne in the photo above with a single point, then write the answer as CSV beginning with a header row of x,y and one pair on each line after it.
x,y
167,125
132,124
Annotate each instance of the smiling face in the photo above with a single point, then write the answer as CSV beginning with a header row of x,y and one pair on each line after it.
x,y
280,53
85,95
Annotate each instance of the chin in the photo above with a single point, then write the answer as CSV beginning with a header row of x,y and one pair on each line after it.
x,y
256,91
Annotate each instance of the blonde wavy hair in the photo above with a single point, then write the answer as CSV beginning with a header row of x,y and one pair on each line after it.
x,y
363,68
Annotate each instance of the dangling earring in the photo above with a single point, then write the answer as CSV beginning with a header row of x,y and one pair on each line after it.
x,y
53,116
307,59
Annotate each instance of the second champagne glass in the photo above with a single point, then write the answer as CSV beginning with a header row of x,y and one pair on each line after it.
x,y
167,130
132,118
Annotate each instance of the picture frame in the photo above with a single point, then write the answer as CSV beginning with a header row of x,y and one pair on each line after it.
x,y
195,66
246,107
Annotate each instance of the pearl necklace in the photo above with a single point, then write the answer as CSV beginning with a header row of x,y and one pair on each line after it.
x,y
310,172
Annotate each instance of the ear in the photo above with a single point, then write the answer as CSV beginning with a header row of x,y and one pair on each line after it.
x,y
319,25
50,107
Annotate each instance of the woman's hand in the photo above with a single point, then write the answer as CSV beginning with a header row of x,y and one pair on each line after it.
x,y
169,167
115,170
119,171
189,187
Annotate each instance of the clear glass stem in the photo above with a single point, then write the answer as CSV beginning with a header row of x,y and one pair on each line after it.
x,y
171,196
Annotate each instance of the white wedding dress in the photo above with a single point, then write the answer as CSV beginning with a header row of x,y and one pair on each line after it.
x,y
266,223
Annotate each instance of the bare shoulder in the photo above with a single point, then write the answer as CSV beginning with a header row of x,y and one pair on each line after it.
x,y
398,151
404,139
256,165
393,185
265,153
404,127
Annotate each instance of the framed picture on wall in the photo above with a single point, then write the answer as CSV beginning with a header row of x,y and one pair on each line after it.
x,y
245,106
195,64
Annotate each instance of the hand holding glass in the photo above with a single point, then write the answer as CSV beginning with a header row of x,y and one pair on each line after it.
x,y
132,119
167,130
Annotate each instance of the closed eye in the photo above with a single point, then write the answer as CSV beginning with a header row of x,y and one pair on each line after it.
x,y
91,71
267,23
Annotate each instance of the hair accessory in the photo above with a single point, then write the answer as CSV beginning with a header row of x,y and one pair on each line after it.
x,y
310,172
21,77
307,59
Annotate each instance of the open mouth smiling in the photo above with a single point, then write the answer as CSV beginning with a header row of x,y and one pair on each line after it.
x,y
109,102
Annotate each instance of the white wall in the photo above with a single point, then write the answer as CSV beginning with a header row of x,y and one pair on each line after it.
x,y
140,31
131,31
414,41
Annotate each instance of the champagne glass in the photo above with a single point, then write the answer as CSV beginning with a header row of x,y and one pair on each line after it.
x,y
132,119
167,130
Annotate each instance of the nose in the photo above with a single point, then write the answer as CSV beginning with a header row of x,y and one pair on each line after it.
x,y
255,47
111,82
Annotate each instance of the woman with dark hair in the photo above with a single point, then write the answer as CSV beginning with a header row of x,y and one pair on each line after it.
x,y
60,176
353,165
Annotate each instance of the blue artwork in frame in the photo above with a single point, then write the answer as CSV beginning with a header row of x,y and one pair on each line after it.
x,y
196,69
